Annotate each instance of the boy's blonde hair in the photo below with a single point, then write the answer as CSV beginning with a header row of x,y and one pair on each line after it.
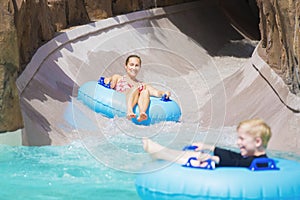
x,y
257,128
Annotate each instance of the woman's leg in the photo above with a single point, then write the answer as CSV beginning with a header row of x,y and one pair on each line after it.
x,y
132,97
143,103
158,151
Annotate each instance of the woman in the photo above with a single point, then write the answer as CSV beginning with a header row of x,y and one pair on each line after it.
x,y
136,91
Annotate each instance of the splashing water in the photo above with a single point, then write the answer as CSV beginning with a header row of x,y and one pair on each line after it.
x,y
67,172
96,167
76,171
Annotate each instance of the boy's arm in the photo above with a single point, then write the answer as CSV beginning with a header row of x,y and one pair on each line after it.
x,y
216,159
205,156
203,146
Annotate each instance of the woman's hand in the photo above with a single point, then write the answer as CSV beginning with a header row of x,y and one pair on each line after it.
x,y
168,94
112,80
107,80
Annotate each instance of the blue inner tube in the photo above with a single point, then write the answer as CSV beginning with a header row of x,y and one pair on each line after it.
x,y
110,103
180,183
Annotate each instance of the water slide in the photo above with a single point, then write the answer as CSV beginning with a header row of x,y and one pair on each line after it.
x,y
213,72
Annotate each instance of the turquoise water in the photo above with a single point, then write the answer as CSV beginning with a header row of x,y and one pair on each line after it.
x,y
77,172
65,172
102,166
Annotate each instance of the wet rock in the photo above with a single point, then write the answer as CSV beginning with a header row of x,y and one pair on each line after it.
x,y
280,42
10,114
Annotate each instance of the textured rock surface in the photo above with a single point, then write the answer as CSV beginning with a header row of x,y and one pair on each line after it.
x,y
10,115
280,32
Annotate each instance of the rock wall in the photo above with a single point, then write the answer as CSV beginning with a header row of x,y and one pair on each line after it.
x,y
279,26
38,21
10,115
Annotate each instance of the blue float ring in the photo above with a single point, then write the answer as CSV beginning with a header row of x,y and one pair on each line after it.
x,y
181,183
110,103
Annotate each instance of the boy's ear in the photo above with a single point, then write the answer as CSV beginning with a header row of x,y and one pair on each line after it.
x,y
258,141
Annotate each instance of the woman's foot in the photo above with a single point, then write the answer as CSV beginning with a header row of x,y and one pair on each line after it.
x,y
131,115
143,116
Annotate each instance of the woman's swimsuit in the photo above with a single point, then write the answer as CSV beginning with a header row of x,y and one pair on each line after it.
x,y
122,85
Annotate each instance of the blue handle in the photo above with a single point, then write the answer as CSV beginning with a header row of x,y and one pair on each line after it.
x,y
164,98
190,148
210,164
101,82
263,164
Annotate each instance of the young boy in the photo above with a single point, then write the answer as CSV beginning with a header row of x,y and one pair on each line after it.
x,y
253,138
136,91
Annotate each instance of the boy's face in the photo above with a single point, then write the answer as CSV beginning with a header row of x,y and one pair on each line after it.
x,y
247,143
133,66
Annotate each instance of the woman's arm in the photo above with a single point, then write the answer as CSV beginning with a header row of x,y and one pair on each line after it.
x,y
157,93
112,80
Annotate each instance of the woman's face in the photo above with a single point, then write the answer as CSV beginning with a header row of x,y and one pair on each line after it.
x,y
133,67
247,143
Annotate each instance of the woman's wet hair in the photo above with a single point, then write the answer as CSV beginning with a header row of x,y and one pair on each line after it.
x,y
133,56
